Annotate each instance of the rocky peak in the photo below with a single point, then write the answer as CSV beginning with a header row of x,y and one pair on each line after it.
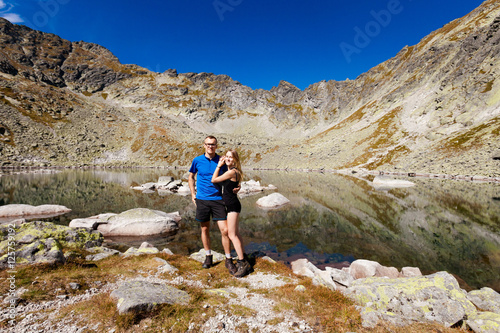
x,y
421,100
286,93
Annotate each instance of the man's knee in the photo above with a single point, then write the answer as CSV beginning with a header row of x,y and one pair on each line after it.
x,y
205,226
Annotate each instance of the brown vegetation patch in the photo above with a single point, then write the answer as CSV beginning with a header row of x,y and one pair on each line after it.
x,y
470,139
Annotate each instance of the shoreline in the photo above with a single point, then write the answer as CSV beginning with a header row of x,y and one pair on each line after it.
x,y
474,178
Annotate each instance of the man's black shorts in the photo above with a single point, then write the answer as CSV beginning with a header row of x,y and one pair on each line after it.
x,y
205,208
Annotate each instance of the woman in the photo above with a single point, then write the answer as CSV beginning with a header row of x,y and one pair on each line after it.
x,y
230,180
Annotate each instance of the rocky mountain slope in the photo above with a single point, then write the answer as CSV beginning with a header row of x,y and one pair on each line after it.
x,y
434,107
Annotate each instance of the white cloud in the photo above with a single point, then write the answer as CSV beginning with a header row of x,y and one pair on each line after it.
x,y
13,18
2,4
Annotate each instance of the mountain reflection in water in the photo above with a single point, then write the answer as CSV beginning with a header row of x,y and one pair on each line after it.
x,y
332,219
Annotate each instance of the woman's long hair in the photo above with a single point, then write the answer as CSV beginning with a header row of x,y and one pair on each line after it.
x,y
237,163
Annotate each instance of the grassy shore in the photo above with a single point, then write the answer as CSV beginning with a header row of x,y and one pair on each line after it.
x,y
324,310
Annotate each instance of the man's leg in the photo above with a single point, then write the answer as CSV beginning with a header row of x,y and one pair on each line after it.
x,y
205,239
205,235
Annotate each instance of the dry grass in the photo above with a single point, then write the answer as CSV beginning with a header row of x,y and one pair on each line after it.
x,y
323,309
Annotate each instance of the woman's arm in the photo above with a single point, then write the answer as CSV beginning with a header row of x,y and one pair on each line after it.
x,y
217,179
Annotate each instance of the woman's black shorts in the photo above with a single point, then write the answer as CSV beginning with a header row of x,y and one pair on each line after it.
x,y
233,207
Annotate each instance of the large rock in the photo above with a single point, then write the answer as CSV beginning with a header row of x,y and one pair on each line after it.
x,y
486,299
363,268
91,222
403,301
100,253
484,322
273,200
38,242
140,222
42,211
304,267
141,296
340,276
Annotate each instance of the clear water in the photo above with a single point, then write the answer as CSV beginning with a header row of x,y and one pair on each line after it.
x,y
332,219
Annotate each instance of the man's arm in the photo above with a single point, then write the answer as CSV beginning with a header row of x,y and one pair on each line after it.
x,y
192,187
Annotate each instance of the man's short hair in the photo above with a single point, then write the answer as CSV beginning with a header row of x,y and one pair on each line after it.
x,y
211,137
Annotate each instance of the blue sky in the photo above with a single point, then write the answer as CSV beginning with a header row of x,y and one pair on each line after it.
x,y
255,42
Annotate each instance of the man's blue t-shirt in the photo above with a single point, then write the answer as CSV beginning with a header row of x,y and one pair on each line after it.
x,y
205,168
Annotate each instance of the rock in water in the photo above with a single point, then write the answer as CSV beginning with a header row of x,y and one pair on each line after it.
x,y
273,200
20,210
140,222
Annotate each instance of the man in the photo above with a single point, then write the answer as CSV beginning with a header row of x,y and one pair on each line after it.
x,y
208,200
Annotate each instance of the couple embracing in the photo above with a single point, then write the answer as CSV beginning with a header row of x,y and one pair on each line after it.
x,y
217,183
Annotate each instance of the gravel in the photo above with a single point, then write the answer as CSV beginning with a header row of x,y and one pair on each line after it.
x,y
46,317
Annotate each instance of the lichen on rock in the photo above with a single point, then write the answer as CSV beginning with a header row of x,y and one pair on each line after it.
x,y
38,241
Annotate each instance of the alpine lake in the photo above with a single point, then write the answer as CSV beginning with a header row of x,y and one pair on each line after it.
x,y
332,219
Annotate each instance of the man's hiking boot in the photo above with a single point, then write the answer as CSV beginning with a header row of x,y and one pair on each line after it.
x,y
244,268
208,262
230,266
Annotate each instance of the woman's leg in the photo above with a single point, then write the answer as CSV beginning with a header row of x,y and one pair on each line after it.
x,y
234,233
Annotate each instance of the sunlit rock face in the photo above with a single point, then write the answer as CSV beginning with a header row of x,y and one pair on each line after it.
x,y
434,107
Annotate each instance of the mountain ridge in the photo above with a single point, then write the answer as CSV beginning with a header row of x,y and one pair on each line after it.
x,y
419,111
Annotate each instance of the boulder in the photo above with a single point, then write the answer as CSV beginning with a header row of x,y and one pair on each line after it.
x,y
484,322
42,211
339,276
165,267
363,268
91,222
410,271
273,200
132,251
140,222
41,251
304,267
403,301
38,242
142,296
323,278
486,299
100,253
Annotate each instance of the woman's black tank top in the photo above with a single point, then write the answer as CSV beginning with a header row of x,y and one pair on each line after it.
x,y
228,195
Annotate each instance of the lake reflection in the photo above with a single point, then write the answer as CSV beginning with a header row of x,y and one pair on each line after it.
x,y
332,219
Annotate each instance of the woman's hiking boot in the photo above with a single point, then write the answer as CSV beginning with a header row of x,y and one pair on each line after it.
x,y
208,262
231,266
244,268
